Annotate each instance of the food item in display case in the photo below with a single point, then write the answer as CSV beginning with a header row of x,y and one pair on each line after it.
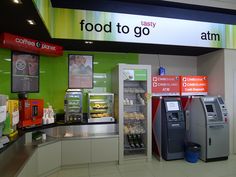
x,y
100,106
134,129
135,141
100,115
134,90
134,115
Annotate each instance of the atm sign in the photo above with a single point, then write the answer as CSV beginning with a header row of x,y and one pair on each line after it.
x,y
194,85
165,85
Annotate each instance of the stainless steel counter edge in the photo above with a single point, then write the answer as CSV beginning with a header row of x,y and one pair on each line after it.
x,y
51,140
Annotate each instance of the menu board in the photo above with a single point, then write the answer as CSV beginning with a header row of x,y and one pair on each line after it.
x,y
194,85
25,72
80,71
165,85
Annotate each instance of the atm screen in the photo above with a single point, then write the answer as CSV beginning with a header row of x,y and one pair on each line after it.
x,y
209,108
172,106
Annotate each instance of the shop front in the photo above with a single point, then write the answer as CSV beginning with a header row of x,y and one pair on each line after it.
x,y
97,106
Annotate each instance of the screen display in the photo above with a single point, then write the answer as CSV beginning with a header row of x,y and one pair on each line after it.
x,y
172,106
209,108
24,72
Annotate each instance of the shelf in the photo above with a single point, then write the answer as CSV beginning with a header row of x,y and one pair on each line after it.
x,y
102,119
134,105
134,120
98,111
98,100
134,149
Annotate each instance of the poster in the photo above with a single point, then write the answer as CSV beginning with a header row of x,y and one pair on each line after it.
x,y
25,72
80,71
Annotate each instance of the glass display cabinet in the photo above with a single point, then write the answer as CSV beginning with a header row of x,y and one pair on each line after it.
x,y
132,87
100,107
73,106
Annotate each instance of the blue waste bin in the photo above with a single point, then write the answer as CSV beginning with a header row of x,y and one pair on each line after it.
x,y
192,152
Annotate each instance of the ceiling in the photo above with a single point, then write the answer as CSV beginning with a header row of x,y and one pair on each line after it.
x,y
13,20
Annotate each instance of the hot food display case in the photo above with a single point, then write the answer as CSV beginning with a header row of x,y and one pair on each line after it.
x,y
101,107
73,106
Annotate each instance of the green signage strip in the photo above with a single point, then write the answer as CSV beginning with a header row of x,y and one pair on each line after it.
x,y
135,75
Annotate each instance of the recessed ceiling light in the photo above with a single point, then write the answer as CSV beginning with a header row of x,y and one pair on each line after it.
x,y
17,1
31,22
88,42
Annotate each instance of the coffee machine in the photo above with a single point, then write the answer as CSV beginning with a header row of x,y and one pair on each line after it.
x,y
31,112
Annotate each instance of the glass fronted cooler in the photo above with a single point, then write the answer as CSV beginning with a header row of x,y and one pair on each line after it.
x,y
73,106
135,117
132,88
100,107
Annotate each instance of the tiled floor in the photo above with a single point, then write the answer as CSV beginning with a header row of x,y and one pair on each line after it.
x,y
155,168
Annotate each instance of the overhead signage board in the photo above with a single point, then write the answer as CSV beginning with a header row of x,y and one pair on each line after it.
x,y
23,44
119,27
194,85
165,85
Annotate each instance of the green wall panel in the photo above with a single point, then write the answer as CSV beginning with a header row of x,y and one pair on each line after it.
x,y
54,75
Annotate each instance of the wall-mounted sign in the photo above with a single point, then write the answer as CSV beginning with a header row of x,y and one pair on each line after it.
x,y
23,44
194,85
80,71
165,85
107,26
136,74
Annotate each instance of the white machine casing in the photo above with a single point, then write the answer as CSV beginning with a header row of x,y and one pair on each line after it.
x,y
209,127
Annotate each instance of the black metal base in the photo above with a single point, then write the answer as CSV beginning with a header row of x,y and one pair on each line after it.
x,y
216,159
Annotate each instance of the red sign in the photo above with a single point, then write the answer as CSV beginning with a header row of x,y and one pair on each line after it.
x,y
165,85
23,44
194,85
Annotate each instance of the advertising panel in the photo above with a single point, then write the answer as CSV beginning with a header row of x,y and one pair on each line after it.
x,y
80,71
135,75
25,72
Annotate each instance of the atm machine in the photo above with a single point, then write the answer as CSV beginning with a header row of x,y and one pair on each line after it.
x,y
173,129
209,127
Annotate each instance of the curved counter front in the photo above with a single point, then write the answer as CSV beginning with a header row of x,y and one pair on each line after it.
x,y
64,146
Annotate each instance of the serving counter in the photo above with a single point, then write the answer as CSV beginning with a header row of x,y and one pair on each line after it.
x,y
64,146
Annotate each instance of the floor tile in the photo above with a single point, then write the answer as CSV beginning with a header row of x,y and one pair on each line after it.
x,y
53,175
143,173
155,168
107,175
102,170
77,172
